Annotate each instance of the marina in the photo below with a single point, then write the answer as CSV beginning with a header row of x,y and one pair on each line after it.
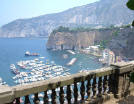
x,y
36,70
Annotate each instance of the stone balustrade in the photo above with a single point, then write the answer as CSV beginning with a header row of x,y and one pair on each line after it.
x,y
92,87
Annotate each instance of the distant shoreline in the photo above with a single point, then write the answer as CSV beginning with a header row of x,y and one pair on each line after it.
x,y
23,37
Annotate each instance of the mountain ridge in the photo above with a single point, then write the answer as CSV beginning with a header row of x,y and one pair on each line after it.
x,y
103,12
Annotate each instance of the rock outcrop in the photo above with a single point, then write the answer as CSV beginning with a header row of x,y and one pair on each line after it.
x,y
100,13
77,40
68,40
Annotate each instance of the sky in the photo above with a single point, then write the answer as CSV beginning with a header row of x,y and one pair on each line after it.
x,y
19,9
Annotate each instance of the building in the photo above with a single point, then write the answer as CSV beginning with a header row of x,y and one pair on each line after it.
x,y
108,57
94,50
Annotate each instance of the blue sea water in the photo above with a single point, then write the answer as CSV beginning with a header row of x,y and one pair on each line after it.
x,y
12,50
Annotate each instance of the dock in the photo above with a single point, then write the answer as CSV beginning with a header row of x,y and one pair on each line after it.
x,y
70,51
73,60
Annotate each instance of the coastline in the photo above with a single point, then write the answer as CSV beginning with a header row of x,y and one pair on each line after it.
x,y
24,37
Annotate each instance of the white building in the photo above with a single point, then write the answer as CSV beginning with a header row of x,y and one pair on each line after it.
x,y
108,57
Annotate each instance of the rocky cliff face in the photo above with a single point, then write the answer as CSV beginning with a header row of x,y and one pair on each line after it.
x,y
77,40
103,12
119,40
123,43
68,40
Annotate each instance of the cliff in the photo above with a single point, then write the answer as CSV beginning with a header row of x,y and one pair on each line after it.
x,y
77,39
119,40
123,43
101,13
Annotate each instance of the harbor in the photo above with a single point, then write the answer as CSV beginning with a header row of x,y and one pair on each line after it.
x,y
26,71
40,68
34,68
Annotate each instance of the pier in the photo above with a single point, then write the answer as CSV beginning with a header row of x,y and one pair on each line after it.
x,y
72,62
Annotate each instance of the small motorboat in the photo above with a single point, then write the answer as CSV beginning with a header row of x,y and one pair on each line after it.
x,y
31,54
27,53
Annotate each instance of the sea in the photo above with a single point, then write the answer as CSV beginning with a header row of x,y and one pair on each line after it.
x,y
13,50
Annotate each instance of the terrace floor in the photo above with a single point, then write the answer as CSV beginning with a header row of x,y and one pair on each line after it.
x,y
128,100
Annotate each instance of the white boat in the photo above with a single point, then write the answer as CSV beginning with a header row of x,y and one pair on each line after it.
x,y
73,60
12,66
27,53
41,57
70,51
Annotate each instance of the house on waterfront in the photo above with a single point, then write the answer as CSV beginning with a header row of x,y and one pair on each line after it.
x,y
108,57
94,50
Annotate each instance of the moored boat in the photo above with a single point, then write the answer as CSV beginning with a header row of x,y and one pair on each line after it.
x,y
31,54
13,69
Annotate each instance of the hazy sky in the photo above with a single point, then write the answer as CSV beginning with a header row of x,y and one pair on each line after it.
x,y
18,9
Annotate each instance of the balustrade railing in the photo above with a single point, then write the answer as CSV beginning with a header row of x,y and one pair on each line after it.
x,y
93,87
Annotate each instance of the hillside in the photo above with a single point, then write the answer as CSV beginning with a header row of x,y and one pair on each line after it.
x,y
101,13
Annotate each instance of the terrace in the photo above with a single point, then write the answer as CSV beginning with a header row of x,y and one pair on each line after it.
x,y
93,87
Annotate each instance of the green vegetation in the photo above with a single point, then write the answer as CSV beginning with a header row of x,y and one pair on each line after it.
x,y
125,26
115,33
130,5
67,29
61,29
112,27
78,29
87,29
103,44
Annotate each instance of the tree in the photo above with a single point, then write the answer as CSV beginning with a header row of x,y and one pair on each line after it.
x,y
63,29
130,5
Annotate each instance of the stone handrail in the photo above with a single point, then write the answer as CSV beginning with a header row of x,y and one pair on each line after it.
x,y
95,84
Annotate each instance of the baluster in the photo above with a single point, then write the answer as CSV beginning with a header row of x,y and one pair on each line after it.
x,y
53,96
116,80
27,101
75,93
68,94
18,100
124,82
45,98
82,91
61,94
104,85
128,84
110,84
88,88
94,87
36,99
100,87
